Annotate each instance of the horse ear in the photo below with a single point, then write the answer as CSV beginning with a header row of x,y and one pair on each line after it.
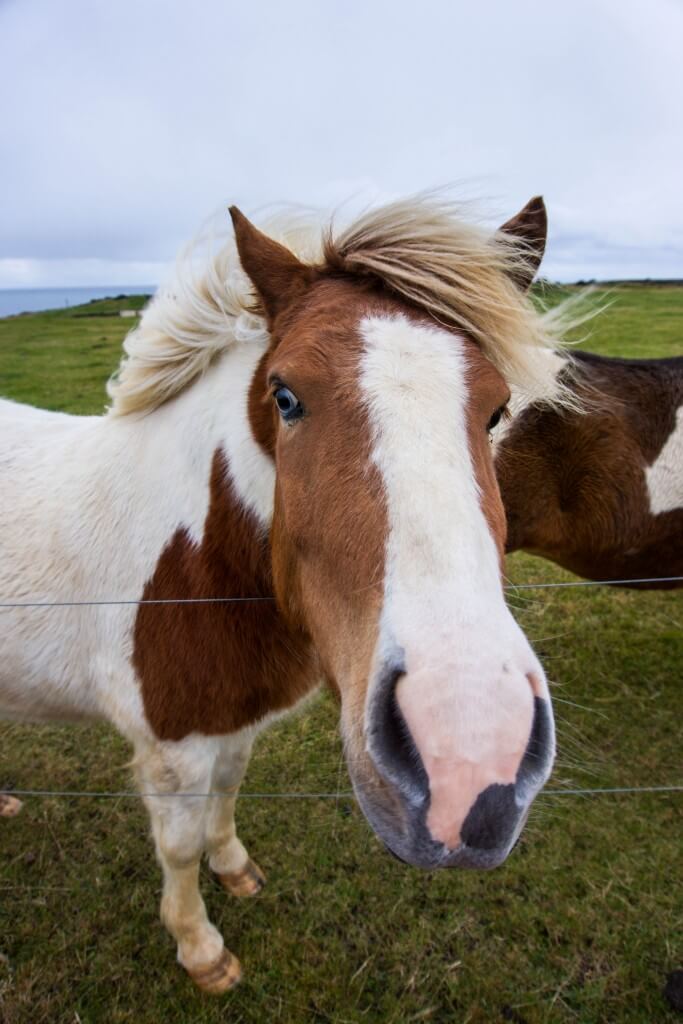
x,y
530,226
276,274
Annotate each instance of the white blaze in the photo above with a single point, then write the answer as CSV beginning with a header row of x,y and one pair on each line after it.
x,y
465,694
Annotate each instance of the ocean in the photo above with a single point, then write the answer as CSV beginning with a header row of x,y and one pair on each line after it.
x,y
32,300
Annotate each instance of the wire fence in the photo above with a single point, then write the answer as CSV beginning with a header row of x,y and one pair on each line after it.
x,y
337,795
341,795
96,602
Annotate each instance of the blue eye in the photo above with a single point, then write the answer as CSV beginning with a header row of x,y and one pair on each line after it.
x,y
289,406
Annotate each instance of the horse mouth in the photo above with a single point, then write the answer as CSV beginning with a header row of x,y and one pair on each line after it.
x,y
394,796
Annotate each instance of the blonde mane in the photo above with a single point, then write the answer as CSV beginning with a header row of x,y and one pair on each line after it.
x,y
422,249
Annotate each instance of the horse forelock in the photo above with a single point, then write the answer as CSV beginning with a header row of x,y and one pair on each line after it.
x,y
421,249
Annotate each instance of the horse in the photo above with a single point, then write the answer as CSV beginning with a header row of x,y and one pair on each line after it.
x,y
293,486
599,489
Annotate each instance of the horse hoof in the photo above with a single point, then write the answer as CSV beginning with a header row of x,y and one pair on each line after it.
x,y
9,806
218,977
247,882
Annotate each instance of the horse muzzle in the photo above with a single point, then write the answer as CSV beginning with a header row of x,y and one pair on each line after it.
x,y
444,812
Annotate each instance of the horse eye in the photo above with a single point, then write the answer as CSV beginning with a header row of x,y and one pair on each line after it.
x,y
289,406
496,418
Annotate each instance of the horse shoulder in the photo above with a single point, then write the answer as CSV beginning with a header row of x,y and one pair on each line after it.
x,y
217,666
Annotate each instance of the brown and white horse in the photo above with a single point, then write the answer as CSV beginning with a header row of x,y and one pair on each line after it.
x,y
598,488
314,435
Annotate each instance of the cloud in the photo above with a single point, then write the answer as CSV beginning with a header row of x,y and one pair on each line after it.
x,y
130,122
67,273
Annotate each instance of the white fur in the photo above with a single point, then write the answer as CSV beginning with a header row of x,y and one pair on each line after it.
x,y
465,695
665,476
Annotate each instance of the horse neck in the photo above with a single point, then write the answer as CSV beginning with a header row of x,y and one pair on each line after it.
x,y
196,463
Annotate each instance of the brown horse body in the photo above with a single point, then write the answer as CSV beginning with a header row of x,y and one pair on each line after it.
x,y
600,491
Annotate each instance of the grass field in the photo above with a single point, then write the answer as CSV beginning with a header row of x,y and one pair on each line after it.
x,y
581,925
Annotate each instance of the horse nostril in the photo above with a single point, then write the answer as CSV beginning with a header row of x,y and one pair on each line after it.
x,y
540,749
492,816
390,742
499,811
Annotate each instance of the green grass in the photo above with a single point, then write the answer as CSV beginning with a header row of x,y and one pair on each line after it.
x,y
639,322
581,924
61,359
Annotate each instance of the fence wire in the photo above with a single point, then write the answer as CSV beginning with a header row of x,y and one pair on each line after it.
x,y
341,795
338,795
242,600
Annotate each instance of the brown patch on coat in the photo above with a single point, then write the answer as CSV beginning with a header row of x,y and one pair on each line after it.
x,y
216,668
574,485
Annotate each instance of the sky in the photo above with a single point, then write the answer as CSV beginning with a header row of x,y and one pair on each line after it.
x,y
123,125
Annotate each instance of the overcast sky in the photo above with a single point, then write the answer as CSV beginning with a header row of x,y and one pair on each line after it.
x,y
125,123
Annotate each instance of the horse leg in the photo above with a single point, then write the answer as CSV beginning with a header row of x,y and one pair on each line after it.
x,y
228,859
178,824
